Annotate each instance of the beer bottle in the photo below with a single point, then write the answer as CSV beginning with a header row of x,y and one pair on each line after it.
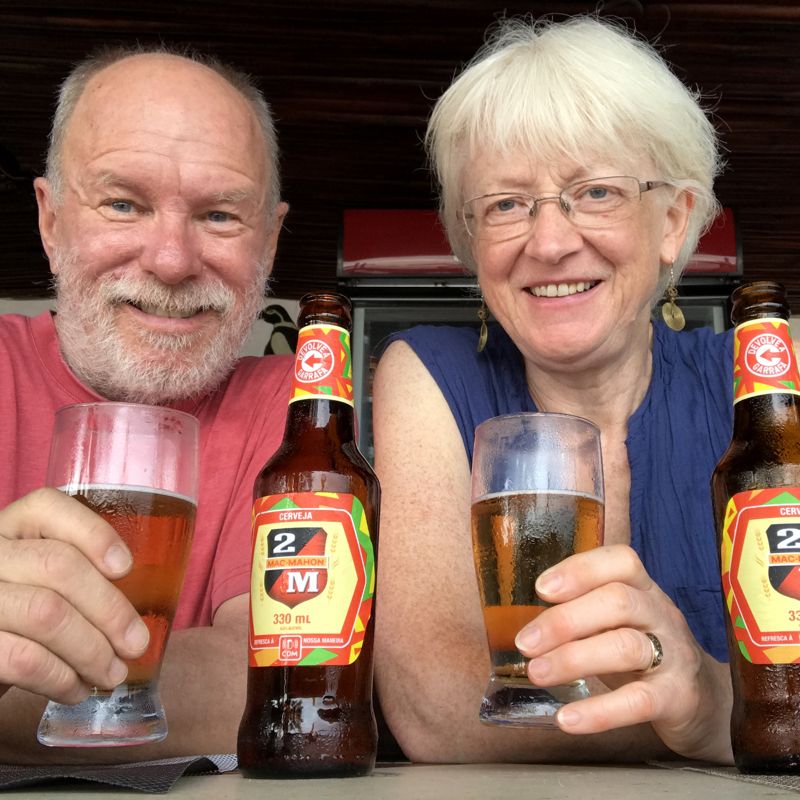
x,y
756,495
315,528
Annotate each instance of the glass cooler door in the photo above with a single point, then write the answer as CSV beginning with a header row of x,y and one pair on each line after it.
x,y
373,322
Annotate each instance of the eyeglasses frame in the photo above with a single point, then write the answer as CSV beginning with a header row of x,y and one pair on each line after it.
x,y
644,186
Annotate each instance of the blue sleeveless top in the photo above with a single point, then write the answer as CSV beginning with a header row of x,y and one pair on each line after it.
x,y
675,439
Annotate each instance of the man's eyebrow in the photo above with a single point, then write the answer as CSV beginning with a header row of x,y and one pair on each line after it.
x,y
232,196
112,179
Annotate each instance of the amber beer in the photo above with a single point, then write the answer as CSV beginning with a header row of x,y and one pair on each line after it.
x,y
515,538
314,542
137,467
157,528
756,494
536,497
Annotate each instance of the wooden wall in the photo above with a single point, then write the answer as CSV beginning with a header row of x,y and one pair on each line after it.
x,y
352,82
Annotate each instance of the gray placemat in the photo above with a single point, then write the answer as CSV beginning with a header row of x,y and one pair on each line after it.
x,y
791,782
152,777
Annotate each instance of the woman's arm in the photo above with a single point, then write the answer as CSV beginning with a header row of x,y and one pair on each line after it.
x,y
432,660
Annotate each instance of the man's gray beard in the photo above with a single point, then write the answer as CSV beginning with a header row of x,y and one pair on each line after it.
x,y
163,368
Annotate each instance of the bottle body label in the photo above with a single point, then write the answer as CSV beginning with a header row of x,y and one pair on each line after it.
x,y
323,366
312,582
763,359
760,558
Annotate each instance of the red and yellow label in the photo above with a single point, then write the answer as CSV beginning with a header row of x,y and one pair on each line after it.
x,y
323,366
760,557
763,359
312,581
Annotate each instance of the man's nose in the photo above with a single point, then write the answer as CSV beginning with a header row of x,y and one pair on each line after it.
x,y
172,254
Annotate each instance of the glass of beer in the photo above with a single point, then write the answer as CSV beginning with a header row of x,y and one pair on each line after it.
x,y
137,467
537,497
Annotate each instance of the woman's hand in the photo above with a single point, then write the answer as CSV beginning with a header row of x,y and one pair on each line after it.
x,y
606,603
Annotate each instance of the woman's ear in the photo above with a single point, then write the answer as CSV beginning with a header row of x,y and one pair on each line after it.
x,y
676,224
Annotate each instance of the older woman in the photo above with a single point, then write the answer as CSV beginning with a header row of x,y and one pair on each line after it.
x,y
576,176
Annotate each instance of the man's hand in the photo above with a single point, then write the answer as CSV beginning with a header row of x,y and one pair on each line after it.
x,y
64,627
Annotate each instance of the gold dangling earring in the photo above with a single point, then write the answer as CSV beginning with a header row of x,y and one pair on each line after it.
x,y
672,315
483,315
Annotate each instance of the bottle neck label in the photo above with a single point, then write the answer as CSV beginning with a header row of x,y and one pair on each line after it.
x,y
763,359
312,581
323,367
760,558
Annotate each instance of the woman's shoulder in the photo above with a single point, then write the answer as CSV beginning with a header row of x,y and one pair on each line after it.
x,y
455,344
450,353
462,338
693,371
475,385
696,347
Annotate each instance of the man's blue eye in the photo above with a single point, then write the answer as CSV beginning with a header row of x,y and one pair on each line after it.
x,y
598,192
218,216
123,206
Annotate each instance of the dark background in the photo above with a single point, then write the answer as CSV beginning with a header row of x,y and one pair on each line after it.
x,y
352,82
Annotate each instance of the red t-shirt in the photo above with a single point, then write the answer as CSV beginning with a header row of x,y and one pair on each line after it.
x,y
241,425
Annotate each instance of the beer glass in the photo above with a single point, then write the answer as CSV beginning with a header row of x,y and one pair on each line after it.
x,y
537,497
136,466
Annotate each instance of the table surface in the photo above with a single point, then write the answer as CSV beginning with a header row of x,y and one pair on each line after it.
x,y
440,782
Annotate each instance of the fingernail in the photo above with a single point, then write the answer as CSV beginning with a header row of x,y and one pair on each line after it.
x,y
137,636
117,672
539,667
528,639
118,559
79,695
568,718
549,582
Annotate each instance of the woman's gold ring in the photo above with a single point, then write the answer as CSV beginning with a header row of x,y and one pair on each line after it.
x,y
658,652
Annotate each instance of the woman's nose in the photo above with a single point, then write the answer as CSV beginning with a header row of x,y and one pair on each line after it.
x,y
552,235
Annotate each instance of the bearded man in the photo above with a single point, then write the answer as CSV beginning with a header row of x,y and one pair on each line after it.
x,y
159,212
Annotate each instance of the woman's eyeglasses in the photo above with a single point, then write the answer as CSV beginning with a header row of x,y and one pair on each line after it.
x,y
593,203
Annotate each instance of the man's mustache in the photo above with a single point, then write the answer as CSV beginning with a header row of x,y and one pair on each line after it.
x,y
182,299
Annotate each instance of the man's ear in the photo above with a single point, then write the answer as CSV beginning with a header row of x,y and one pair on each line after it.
x,y
272,237
47,216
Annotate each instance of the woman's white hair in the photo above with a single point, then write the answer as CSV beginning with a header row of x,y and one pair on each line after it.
x,y
579,90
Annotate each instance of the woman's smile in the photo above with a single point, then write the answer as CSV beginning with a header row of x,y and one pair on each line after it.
x,y
561,289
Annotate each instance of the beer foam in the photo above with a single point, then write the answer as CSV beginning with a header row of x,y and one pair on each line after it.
x,y
80,488
539,492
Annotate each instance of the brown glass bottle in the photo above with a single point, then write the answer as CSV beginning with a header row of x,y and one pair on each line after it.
x,y
758,544
308,719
